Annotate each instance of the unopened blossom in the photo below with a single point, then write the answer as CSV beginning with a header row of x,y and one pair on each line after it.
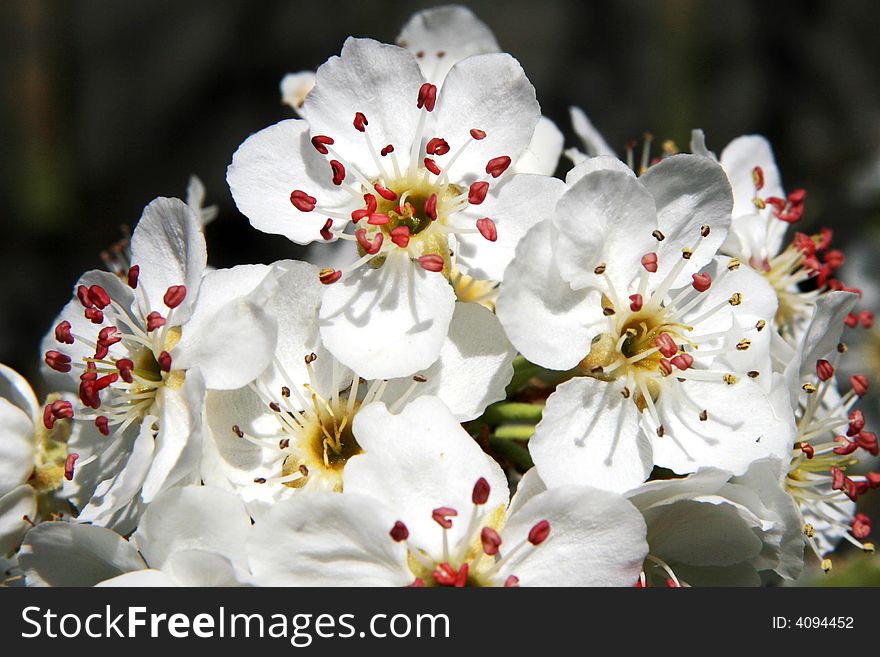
x,y
417,178
189,536
292,428
424,506
621,286
34,463
801,270
142,351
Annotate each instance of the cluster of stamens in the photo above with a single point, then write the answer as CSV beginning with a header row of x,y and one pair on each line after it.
x,y
411,209
463,564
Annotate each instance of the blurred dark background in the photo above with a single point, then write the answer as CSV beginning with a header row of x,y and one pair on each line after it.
x,y
107,105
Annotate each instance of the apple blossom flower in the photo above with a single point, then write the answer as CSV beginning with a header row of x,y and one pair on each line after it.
x,y
188,536
292,428
141,353
422,176
622,286
424,506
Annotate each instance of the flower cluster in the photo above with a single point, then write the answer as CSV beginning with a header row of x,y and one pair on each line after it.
x,y
490,376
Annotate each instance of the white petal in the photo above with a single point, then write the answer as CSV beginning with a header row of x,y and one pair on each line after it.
x,y
597,538
418,461
444,36
15,388
589,434
193,517
65,554
387,322
698,145
583,166
268,167
139,579
493,94
380,81
551,324
17,449
520,203
229,337
328,539
592,139
823,333
196,567
739,158
14,506
529,485
474,367
589,218
542,154
690,191
169,247
295,87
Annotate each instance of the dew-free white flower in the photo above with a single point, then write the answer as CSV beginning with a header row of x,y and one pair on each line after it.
x,y
292,428
143,350
424,505
189,536
622,283
421,173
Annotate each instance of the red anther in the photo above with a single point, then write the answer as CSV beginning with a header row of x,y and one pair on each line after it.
x,y
635,302
852,489
478,134
174,296
88,395
867,440
61,409
370,202
833,258
357,215
477,192
491,541
846,446
62,333
702,282
860,527
385,193
369,247
302,201
431,262
94,315
133,272
666,344
866,319
106,381
431,166
82,293
873,479
400,236
804,243
326,233
338,171
164,361
378,219
666,366
125,366
480,494
672,584
99,297
649,262
328,276
777,203
103,425
154,321
320,142
417,583
48,418
442,515
859,383
487,229
360,122
437,146
758,178
838,286
825,236
837,478
385,151
109,336
539,533
399,532
68,465
682,361
461,577
856,422
444,574
797,196
57,361
430,207
824,369
511,582
807,449
427,96
497,165
851,320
